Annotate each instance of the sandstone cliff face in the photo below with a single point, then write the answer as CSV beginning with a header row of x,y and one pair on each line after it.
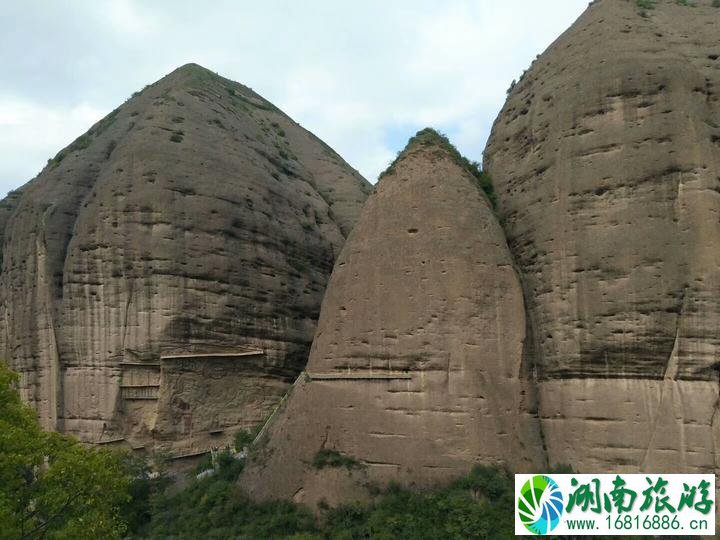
x,y
606,159
195,218
416,370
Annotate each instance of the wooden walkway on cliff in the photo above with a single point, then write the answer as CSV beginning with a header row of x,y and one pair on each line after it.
x,y
357,375
228,354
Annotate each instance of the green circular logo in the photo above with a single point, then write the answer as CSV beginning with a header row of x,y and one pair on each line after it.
x,y
540,504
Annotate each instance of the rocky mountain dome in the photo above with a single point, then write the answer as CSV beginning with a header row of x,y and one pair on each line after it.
x,y
417,370
606,160
601,313
162,276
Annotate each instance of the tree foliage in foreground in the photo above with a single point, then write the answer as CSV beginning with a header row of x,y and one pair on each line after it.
x,y
51,486
476,506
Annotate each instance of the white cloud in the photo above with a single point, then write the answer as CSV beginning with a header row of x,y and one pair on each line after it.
x,y
361,76
126,18
30,134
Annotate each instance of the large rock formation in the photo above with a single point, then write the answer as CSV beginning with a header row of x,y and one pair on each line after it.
x,y
162,276
417,370
606,162
606,159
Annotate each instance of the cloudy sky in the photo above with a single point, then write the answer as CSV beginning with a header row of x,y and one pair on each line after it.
x,y
363,76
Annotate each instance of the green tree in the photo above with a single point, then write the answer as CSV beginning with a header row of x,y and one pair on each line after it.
x,y
149,481
51,486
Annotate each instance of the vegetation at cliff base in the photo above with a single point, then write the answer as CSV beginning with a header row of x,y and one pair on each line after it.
x,y
51,486
479,505
245,437
332,458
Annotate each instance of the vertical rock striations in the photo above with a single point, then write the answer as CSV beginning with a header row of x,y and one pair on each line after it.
x,y
416,371
196,218
606,158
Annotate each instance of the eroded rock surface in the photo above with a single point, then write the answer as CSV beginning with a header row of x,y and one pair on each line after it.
x,y
606,159
416,371
196,217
